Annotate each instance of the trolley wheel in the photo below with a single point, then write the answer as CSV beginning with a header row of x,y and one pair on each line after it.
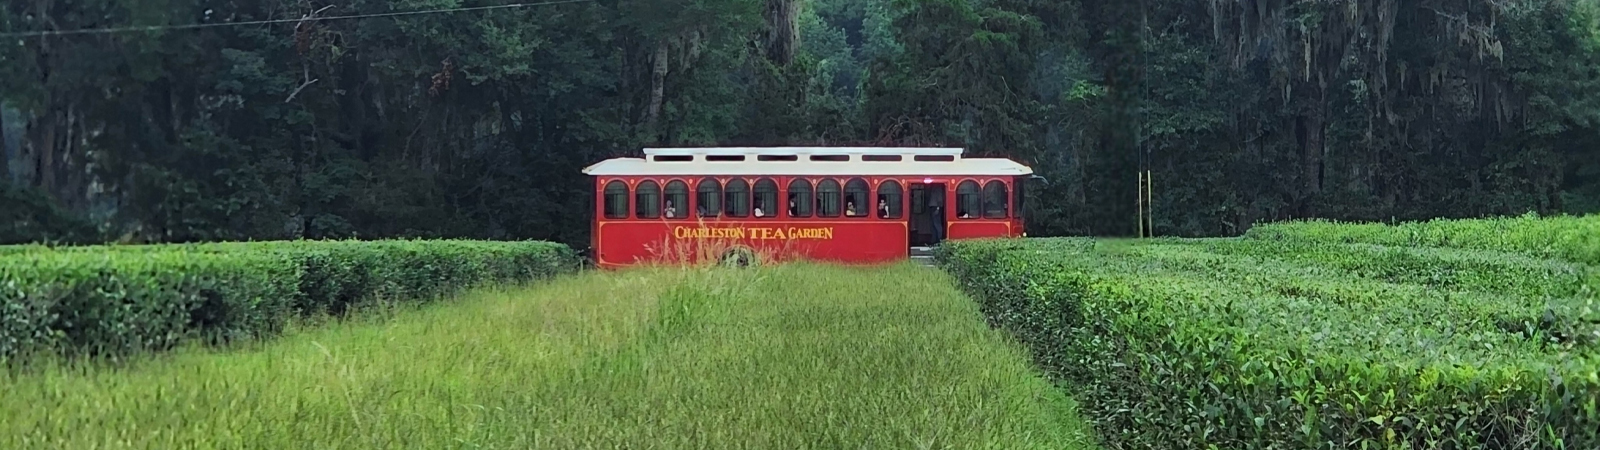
x,y
739,257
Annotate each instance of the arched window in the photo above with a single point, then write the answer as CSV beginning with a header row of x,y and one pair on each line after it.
x,y
828,202
856,193
800,198
737,198
647,200
766,198
708,201
994,200
967,200
616,200
889,200
677,200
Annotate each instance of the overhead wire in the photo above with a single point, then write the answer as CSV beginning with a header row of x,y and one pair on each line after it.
x,y
150,28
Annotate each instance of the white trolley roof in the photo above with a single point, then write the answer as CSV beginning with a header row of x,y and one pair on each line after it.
x,y
840,161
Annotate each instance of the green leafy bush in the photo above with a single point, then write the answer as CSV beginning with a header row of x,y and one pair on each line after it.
x,y
115,300
1572,238
1240,344
28,215
1468,270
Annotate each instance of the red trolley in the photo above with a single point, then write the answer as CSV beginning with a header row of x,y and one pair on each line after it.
x,y
839,204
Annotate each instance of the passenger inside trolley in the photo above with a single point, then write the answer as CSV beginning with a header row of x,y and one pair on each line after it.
x,y
671,212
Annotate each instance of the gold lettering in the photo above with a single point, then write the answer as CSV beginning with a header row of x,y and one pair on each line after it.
x,y
825,233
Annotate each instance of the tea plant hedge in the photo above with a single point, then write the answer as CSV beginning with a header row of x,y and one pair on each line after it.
x,y
116,300
1257,344
1572,238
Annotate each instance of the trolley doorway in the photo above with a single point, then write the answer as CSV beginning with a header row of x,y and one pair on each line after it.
x,y
928,226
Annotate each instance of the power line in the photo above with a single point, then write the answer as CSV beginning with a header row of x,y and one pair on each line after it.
x,y
27,34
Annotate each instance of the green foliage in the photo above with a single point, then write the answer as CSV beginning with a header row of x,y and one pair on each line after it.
x,y
27,215
1572,238
117,300
1268,344
950,81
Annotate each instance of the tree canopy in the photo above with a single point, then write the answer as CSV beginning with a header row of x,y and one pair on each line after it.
x,y
476,123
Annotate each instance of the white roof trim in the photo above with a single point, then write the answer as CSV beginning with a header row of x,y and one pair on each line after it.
x,y
698,165
802,151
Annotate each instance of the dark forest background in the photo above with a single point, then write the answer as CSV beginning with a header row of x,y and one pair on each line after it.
x,y
476,124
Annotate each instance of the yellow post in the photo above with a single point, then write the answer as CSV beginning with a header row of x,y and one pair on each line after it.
x,y
1140,205
1150,200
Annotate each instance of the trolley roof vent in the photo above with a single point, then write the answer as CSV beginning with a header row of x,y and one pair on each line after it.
x,y
798,154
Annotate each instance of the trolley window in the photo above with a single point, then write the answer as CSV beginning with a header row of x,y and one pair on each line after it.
x,y
677,200
967,200
889,200
800,198
766,198
709,198
828,198
737,198
647,200
616,200
994,200
855,198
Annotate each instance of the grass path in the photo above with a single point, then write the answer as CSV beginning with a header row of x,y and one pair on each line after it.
x,y
778,358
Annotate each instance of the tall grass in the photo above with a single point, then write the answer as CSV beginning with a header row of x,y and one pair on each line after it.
x,y
798,356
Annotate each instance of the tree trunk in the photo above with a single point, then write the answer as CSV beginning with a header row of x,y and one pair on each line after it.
x,y
658,85
45,153
5,150
783,30
68,191
1315,128
1313,134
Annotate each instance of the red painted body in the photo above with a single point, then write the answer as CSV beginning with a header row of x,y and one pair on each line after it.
x,y
621,242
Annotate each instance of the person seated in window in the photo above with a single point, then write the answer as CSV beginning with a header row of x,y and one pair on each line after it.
x,y
701,208
883,207
850,208
757,210
963,214
670,211
793,210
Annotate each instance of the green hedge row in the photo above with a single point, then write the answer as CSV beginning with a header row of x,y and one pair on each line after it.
x,y
1217,344
116,300
1572,238
1445,268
